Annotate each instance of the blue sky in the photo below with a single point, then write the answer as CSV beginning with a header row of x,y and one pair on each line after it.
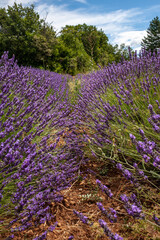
x,y
123,21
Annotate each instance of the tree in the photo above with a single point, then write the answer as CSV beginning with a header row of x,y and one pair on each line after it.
x,y
18,26
45,43
95,42
25,35
78,49
152,41
72,54
122,52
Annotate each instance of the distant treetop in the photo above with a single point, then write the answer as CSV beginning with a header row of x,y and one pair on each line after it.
x,y
152,40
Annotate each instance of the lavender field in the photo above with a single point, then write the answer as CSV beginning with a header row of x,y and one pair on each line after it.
x,y
53,127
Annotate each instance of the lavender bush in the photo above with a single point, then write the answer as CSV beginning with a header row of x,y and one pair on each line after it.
x,y
33,170
120,108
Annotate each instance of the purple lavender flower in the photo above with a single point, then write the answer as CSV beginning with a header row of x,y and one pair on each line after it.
x,y
108,232
141,132
104,189
141,147
156,128
156,118
10,237
83,218
1,196
146,158
156,161
150,107
133,138
119,166
71,237
42,236
132,206
27,109
111,216
127,174
139,172
156,219
51,228
124,198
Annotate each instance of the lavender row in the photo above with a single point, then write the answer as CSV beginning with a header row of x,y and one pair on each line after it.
x,y
33,170
120,106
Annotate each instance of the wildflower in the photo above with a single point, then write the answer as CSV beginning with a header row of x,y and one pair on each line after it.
x,y
10,237
108,232
156,219
132,206
150,107
104,189
51,228
41,237
146,158
71,237
111,216
127,174
83,218
133,138
1,196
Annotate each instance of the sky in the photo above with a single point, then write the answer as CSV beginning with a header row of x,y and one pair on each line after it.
x,y
123,21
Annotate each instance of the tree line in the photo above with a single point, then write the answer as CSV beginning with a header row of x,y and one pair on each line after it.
x,y
34,42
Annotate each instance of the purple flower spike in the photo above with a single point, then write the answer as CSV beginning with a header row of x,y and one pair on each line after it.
x,y
83,218
127,174
156,219
146,158
71,237
133,138
132,206
150,107
108,232
10,237
104,189
41,237
1,196
111,216
51,228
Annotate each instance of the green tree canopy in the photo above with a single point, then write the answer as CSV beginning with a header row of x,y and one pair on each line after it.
x,y
73,56
95,42
78,49
25,35
152,40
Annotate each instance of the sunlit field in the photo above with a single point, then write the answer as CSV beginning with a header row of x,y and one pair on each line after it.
x,y
80,156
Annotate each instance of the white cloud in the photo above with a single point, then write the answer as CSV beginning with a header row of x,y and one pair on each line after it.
x,y
81,1
112,22
130,38
117,24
